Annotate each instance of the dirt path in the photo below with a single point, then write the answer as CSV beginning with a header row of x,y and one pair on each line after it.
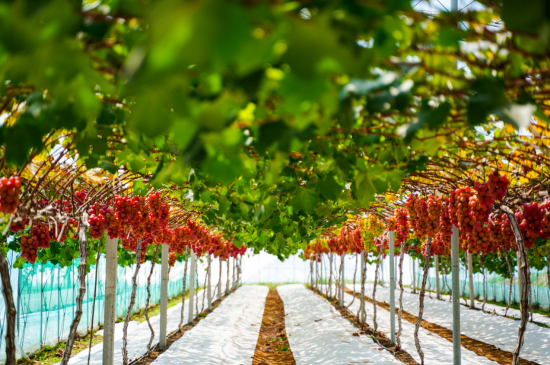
x,y
480,348
272,346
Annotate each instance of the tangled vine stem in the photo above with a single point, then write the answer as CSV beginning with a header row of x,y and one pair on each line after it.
x,y
354,276
374,293
131,305
149,298
184,285
523,265
82,289
484,283
421,299
10,310
399,318
511,283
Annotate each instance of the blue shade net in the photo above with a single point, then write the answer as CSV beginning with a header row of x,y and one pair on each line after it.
x,y
45,297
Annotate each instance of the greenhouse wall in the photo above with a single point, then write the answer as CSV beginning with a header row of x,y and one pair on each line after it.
x,y
45,296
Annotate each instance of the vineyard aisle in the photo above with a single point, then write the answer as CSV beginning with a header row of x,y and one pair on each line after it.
x,y
491,329
226,336
138,337
436,349
318,334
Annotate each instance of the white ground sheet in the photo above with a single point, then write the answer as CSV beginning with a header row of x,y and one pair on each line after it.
x,y
491,329
318,334
139,335
226,336
437,350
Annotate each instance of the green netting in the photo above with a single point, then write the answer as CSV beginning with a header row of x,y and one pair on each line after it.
x,y
45,296
497,288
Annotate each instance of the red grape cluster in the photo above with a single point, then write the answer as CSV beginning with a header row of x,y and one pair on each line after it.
x,y
59,234
529,233
402,221
418,214
41,232
172,259
498,185
96,221
29,248
459,200
314,250
10,189
80,196
18,224
479,239
434,212
392,224
532,219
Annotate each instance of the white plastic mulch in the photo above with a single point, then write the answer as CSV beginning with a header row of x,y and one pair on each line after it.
x,y
228,335
436,349
318,334
139,335
491,329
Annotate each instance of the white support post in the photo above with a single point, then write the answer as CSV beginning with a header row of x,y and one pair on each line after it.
x,y
220,281
342,280
311,273
191,289
163,296
241,271
228,277
382,272
471,280
110,301
392,290
456,296
361,291
330,276
414,274
316,267
209,292
234,278
437,288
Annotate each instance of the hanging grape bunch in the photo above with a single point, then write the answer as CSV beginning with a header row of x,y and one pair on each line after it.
x,y
10,189
392,224
402,222
371,227
434,212
172,259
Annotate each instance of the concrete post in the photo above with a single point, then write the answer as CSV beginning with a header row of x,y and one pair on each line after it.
x,y
110,301
361,290
311,273
456,296
392,289
209,292
330,276
414,274
191,288
437,288
342,281
228,277
163,296
220,281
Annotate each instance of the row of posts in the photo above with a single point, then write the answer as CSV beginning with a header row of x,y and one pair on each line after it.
x,y
455,287
110,295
